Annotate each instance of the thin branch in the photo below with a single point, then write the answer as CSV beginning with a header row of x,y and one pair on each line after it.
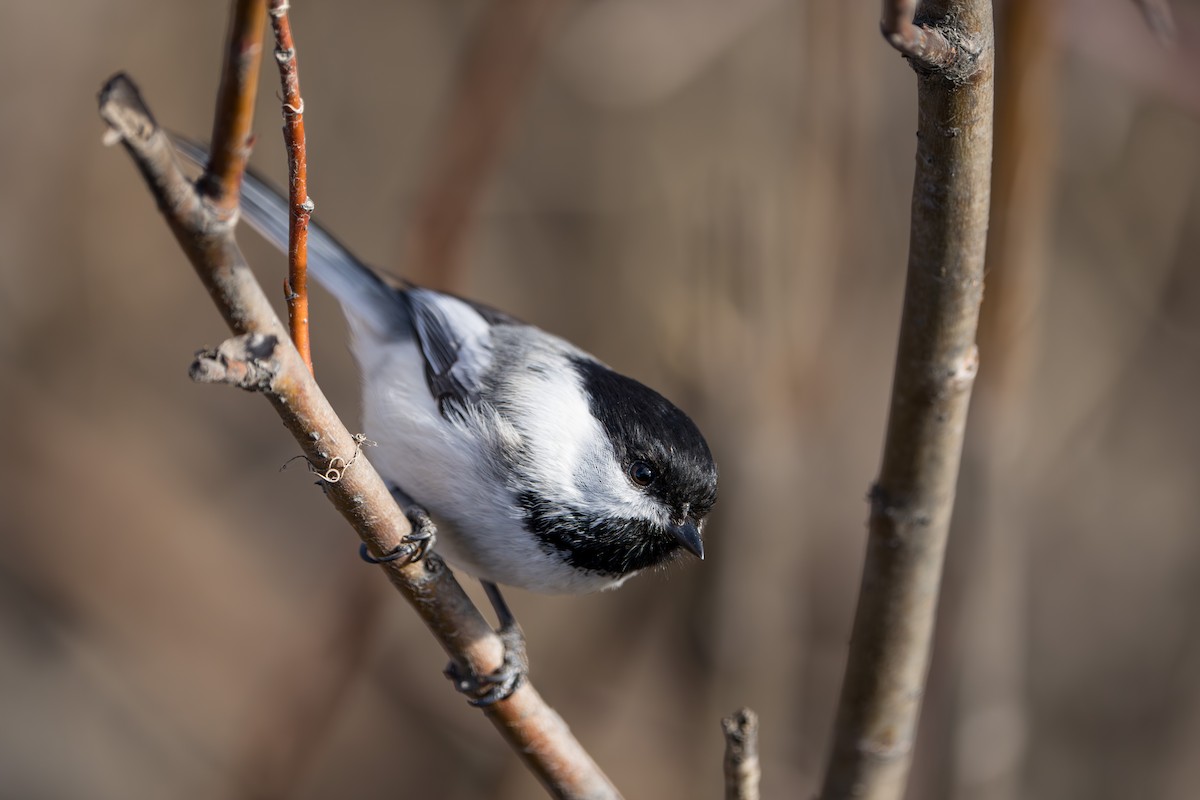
x,y
495,72
533,729
1159,19
936,362
202,228
923,45
742,770
296,288
235,106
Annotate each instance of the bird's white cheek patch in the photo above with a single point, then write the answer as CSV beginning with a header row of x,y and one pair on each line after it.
x,y
558,429
572,457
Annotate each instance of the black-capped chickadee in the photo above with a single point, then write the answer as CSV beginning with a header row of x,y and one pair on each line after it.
x,y
543,468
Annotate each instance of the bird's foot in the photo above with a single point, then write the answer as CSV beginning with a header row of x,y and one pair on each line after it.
x,y
414,546
485,690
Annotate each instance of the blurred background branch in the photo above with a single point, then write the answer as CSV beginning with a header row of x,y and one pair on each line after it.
x,y
500,61
1158,16
985,690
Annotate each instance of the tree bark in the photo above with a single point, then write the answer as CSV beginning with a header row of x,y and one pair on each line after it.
x,y
936,362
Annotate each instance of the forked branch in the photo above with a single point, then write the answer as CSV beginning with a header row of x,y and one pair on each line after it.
x,y
266,361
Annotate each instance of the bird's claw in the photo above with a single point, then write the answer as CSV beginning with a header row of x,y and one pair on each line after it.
x,y
486,690
413,547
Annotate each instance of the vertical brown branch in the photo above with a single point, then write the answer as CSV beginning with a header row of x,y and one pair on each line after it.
x,y
296,288
500,60
235,106
936,362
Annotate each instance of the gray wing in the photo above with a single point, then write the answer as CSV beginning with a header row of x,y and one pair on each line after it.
x,y
454,334
456,343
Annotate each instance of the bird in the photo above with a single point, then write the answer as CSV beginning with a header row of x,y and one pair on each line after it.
x,y
542,467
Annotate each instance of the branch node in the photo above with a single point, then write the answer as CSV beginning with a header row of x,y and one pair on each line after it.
x,y
940,48
246,362
125,112
337,466
963,372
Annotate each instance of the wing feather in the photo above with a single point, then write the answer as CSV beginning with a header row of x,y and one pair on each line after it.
x,y
456,342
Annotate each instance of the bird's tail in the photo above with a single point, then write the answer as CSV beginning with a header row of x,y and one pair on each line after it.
x,y
363,294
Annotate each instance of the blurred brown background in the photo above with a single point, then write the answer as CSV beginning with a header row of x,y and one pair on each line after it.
x,y
712,197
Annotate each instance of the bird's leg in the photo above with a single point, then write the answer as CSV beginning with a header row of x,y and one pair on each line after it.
x,y
416,544
481,690
485,690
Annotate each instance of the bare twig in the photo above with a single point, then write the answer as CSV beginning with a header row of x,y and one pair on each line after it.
x,y
936,362
296,288
235,106
1159,19
925,46
496,70
201,227
531,727
246,362
742,770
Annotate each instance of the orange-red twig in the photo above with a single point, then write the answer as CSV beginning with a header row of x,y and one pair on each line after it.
x,y
234,116
296,288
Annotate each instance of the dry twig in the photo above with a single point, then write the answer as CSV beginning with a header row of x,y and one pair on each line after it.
x,y
936,362
742,770
296,288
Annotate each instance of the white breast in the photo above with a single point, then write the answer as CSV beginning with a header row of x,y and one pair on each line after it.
x,y
443,467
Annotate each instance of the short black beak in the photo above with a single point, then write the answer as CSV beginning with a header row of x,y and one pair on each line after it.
x,y
688,535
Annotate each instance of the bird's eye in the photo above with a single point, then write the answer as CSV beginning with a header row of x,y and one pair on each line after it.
x,y
642,473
